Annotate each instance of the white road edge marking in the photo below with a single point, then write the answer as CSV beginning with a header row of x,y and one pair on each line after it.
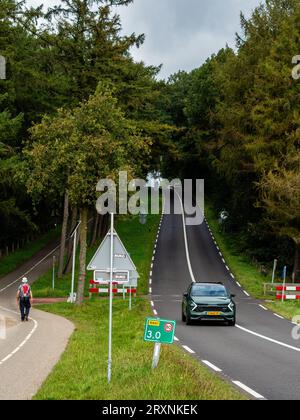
x,y
279,316
155,312
249,390
24,341
213,367
246,293
188,349
268,339
263,307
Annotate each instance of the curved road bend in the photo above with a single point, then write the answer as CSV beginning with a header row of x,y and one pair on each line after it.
x,y
31,349
259,352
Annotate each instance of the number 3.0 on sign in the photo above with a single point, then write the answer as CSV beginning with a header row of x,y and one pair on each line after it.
x,y
159,331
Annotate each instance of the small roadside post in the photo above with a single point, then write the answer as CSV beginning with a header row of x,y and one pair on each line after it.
x,y
159,331
53,272
130,301
73,235
274,270
284,281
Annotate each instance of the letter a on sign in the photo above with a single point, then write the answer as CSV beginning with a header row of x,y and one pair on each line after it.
x,y
121,260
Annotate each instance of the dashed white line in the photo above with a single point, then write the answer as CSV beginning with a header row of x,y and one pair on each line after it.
x,y
246,293
176,339
150,290
238,284
212,366
279,316
249,390
155,312
152,304
263,307
232,275
188,349
227,268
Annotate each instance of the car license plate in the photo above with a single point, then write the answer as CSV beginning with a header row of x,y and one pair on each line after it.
x,y
213,313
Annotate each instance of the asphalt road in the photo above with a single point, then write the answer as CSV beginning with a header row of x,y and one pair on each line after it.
x,y
29,350
259,354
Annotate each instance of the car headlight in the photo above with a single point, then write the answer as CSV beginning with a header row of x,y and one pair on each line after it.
x,y
193,305
231,306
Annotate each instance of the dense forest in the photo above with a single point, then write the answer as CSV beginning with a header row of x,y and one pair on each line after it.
x,y
239,120
75,107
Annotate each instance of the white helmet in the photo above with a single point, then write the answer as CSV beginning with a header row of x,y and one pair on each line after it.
x,y
24,280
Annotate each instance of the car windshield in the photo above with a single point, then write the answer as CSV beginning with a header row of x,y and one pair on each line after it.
x,y
209,290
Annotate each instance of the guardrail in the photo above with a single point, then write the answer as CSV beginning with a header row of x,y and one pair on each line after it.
x,y
288,291
103,287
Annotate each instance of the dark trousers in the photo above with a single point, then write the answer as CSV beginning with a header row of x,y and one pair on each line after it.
x,y
24,308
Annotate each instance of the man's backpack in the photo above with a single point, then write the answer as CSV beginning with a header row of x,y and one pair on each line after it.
x,y
25,292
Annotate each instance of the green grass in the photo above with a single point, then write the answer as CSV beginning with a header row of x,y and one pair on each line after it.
x,y
288,309
11,262
245,272
82,371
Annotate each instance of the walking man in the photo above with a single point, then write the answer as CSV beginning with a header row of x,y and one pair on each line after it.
x,y
24,299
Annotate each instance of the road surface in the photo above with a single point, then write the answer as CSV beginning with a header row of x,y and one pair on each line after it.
x,y
30,350
259,355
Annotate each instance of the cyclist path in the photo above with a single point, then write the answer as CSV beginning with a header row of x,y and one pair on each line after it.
x,y
30,350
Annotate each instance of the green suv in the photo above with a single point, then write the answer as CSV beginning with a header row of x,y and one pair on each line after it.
x,y
208,302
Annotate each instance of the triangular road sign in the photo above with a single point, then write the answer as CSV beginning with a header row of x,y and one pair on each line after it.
x,y
121,260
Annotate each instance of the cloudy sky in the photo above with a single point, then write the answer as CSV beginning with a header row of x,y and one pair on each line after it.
x,y
180,34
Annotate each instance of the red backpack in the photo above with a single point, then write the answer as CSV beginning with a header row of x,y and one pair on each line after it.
x,y
25,291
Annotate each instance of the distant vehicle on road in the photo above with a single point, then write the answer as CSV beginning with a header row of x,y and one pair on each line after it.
x,y
208,302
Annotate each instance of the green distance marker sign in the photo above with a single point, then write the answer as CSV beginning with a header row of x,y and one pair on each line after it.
x,y
159,331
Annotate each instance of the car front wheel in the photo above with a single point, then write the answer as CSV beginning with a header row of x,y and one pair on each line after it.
x,y
232,323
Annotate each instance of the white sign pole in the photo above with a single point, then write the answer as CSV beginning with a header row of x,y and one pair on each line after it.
x,y
72,300
284,281
130,298
156,354
274,271
110,298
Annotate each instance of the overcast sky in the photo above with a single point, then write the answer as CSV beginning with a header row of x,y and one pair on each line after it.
x,y
180,34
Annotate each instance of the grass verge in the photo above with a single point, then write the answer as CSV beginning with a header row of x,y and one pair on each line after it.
x,y
245,272
14,260
81,372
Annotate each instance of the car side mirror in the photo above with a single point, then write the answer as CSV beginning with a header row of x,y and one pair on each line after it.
x,y
233,296
185,294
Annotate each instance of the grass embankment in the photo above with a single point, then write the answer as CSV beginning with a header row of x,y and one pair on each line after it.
x,y
11,262
82,371
246,273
